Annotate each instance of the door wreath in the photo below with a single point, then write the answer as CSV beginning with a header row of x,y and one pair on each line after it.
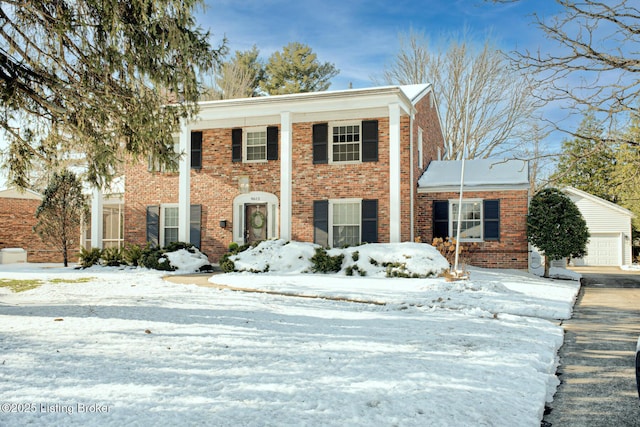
x,y
257,219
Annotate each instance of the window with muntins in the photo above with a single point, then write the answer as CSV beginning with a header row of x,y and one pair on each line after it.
x,y
345,223
169,229
256,145
470,220
345,143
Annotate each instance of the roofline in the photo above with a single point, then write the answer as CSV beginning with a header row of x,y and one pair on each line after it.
x,y
598,200
26,191
344,93
472,189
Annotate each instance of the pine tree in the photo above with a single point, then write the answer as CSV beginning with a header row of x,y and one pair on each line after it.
x,y
107,79
627,174
556,227
61,211
586,162
296,69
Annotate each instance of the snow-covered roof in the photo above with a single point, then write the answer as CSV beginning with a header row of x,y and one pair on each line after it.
x,y
479,174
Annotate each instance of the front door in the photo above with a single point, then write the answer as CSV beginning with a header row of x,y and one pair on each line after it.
x,y
255,228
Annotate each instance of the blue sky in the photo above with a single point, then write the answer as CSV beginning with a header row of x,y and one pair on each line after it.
x,y
361,37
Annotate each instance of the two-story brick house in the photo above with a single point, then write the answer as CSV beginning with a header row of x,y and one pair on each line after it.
x,y
335,168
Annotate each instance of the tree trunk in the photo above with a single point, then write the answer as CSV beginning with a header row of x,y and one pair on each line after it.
x,y
546,266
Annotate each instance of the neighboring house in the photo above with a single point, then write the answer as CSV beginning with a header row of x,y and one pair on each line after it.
x,y
336,168
610,228
494,209
17,219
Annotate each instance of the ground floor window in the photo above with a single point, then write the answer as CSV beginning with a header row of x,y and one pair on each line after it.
x,y
345,222
169,224
345,219
479,219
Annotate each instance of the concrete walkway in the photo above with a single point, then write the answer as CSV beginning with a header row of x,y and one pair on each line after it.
x,y
597,360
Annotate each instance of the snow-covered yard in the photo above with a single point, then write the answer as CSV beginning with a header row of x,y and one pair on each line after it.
x,y
125,347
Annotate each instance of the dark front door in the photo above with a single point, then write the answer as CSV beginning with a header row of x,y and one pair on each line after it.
x,y
255,228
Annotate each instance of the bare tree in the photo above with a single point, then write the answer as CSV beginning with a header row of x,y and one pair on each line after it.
x,y
474,83
594,64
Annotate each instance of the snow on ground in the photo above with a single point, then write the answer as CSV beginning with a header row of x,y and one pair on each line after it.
x,y
128,348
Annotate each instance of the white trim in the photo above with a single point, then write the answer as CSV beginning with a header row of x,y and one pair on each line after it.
x,y
255,197
96,218
161,222
184,185
245,145
420,148
598,200
342,123
332,203
467,189
451,219
15,193
286,174
394,174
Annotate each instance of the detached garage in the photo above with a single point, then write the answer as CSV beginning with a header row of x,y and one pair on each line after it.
x,y
610,228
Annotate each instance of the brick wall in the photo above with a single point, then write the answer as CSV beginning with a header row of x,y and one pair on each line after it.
x,y
216,184
511,251
17,217
426,118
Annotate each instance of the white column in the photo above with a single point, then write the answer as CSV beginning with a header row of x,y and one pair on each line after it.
x,y
96,219
286,162
184,184
394,173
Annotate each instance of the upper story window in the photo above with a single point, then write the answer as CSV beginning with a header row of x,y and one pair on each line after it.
x,y
256,144
343,142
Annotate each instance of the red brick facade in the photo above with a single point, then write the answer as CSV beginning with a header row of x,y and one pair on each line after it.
x,y
17,217
216,184
511,251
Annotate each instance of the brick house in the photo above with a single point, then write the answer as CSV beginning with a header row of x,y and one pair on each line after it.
x,y
494,209
17,219
335,168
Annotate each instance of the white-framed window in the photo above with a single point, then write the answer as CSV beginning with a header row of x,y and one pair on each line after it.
x,y
345,142
168,224
471,220
113,226
345,222
255,144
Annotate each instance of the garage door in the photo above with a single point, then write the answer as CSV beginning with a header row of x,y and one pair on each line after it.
x,y
603,249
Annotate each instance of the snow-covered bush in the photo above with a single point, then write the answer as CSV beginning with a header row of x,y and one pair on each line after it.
x,y
373,259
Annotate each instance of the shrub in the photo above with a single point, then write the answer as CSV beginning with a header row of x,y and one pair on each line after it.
x,y
324,263
112,257
176,246
226,264
90,257
132,254
154,258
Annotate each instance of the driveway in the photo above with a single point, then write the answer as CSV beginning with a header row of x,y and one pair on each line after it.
x,y
597,360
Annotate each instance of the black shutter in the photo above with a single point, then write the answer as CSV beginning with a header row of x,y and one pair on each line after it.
x,y
196,150
153,225
491,219
236,145
195,215
369,221
320,143
321,222
440,219
272,143
370,141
